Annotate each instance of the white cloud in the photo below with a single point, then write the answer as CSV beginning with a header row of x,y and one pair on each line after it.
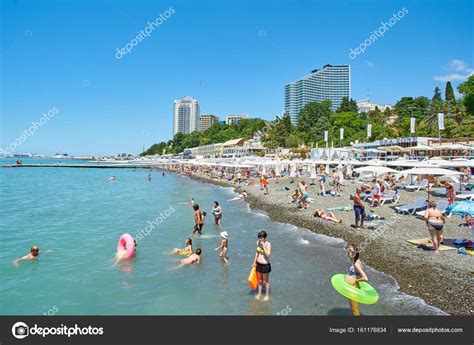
x,y
451,77
459,66
369,64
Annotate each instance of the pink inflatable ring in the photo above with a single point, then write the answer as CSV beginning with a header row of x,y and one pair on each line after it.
x,y
126,243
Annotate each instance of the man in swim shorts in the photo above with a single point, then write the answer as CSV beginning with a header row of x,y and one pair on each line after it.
x,y
359,209
198,220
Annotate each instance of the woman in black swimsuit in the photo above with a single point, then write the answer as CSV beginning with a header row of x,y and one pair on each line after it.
x,y
262,264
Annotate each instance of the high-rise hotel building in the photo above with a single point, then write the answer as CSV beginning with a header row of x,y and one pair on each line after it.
x,y
332,82
208,121
186,115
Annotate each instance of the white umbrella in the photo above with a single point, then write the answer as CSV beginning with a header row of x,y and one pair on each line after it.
x,y
293,170
313,171
431,171
375,170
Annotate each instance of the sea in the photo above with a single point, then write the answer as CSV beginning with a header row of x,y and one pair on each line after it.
x,y
76,216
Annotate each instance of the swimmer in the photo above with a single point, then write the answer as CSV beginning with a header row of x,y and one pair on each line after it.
x,y
33,255
149,177
355,274
192,259
262,264
223,247
188,248
198,220
111,178
120,254
163,174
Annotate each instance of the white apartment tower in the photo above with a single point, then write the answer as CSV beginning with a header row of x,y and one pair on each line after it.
x,y
186,115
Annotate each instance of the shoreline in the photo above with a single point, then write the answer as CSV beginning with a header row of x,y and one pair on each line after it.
x,y
448,289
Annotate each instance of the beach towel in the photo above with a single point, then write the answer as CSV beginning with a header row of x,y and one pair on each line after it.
x,y
424,243
340,208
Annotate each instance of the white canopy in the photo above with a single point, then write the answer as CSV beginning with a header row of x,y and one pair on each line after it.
x,y
431,171
375,170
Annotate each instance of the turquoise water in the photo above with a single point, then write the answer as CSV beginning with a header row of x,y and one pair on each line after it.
x,y
79,214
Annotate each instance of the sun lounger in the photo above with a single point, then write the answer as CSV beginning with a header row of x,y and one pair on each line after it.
x,y
391,196
367,196
420,203
441,205
416,187
465,196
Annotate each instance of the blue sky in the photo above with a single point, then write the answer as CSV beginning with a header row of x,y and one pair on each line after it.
x,y
233,56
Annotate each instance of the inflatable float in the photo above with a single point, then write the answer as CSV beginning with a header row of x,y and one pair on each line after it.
x,y
126,243
183,252
253,278
366,294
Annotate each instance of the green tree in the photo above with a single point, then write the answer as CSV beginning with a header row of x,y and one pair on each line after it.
x,y
347,105
313,119
449,93
466,89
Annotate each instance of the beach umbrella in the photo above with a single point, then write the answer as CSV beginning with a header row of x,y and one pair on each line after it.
x,y
375,169
313,171
349,168
462,208
339,171
293,170
434,171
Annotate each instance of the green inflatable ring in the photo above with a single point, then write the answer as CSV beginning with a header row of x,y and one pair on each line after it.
x,y
365,295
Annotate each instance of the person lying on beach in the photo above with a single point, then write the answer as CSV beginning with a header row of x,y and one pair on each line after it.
x,y
241,196
223,247
188,248
326,216
355,274
32,255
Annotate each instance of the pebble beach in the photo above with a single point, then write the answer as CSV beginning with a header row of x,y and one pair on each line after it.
x,y
444,280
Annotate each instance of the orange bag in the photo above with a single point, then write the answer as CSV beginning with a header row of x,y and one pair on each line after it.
x,y
253,278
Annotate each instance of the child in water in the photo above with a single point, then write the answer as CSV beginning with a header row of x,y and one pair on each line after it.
x,y
355,274
223,247
188,248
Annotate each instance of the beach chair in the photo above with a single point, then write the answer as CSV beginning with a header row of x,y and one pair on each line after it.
x,y
367,196
441,205
391,196
417,186
465,196
420,203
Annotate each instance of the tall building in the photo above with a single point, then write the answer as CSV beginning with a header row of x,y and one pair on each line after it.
x,y
207,121
231,119
332,82
186,115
